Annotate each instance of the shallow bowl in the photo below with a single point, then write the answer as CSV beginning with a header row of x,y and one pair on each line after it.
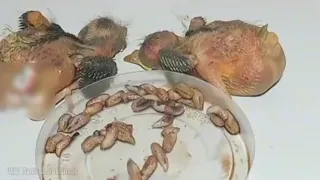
x,y
201,148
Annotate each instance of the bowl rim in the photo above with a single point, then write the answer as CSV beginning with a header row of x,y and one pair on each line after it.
x,y
164,72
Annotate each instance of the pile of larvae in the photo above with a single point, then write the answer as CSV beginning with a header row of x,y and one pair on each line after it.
x,y
171,103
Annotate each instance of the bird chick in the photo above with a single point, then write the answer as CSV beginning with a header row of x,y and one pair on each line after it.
x,y
106,35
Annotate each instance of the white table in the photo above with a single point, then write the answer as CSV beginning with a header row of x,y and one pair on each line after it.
x,y
284,120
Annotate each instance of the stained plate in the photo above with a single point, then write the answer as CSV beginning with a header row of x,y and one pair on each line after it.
x,y
201,149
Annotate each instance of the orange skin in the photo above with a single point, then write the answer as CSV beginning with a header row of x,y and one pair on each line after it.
x,y
148,55
52,63
54,55
38,20
54,72
10,46
49,61
238,58
37,86
34,20
57,81
55,69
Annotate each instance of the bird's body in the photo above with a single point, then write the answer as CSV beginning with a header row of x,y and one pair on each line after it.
x,y
59,61
238,58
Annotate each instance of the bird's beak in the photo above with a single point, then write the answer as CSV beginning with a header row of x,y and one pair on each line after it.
x,y
144,67
133,58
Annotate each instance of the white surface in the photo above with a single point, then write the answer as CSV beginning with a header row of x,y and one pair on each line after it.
x,y
284,120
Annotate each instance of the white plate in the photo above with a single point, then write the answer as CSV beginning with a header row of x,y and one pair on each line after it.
x,y
202,150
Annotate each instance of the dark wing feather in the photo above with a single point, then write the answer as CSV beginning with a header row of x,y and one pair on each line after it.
x,y
23,21
174,61
93,69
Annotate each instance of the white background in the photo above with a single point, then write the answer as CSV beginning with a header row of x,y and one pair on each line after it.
x,y
285,120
